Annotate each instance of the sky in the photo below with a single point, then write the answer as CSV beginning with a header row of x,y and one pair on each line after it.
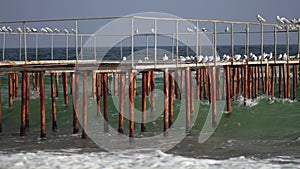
x,y
237,10
230,10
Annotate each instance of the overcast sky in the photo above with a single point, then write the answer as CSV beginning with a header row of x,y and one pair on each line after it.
x,y
238,10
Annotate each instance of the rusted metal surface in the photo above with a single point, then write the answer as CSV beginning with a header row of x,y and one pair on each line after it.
x,y
42,105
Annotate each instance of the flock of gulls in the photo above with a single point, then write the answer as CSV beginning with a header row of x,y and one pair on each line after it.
x,y
8,29
282,23
227,58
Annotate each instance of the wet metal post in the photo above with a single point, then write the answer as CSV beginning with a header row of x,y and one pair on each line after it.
x,y
42,105
166,100
122,102
144,100
54,121
171,97
105,101
84,105
131,105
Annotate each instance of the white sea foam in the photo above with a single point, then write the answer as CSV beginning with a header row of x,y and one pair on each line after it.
x,y
153,159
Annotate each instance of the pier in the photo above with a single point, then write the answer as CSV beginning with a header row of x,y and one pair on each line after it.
x,y
187,78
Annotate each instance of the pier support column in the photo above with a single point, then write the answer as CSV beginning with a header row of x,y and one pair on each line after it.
x,y
65,87
75,91
27,98
98,91
115,76
166,100
57,84
285,86
16,84
295,74
245,84
234,87
94,84
280,80
228,86
250,84
171,97
84,105
54,121
198,80
23,105
177,91
267,80
188,98
273,76
152,83
122,91
257,77
42,105
10,89
144,101
131,104
0,104
288,78
105,101
214,96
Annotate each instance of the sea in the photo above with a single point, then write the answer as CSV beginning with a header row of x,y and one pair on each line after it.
x,y
263,134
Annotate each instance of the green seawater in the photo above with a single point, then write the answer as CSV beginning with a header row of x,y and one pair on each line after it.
x,y
268,127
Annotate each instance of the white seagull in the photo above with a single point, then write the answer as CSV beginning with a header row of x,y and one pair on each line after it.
x,y
34,30
153,30
204,29
49,30
56,30
165,57
189,30
19,30
27,29
227,29
44,30
74,30
136,31
66,31
124,58
9,29
260,18
4,29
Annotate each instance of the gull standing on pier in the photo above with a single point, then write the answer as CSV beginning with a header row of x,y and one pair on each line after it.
x,y
227,29
43,30
19,30
165,57
260,18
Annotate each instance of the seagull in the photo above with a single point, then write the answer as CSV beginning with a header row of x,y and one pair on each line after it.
x,y
165,57
153,30
189,30
34,30
124,58
49,30
4,29
279,57
204,30
74,30
44,30
66,31
237,57
19,30
260,18
284,56
182,59
227,29
27,29
56,30
137,31
9,29
279,20
199,58
146,58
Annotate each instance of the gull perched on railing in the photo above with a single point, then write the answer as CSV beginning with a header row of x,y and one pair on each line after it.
x,y
260,18
44,30
227,29
165,57
66,31
49,30
19,30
